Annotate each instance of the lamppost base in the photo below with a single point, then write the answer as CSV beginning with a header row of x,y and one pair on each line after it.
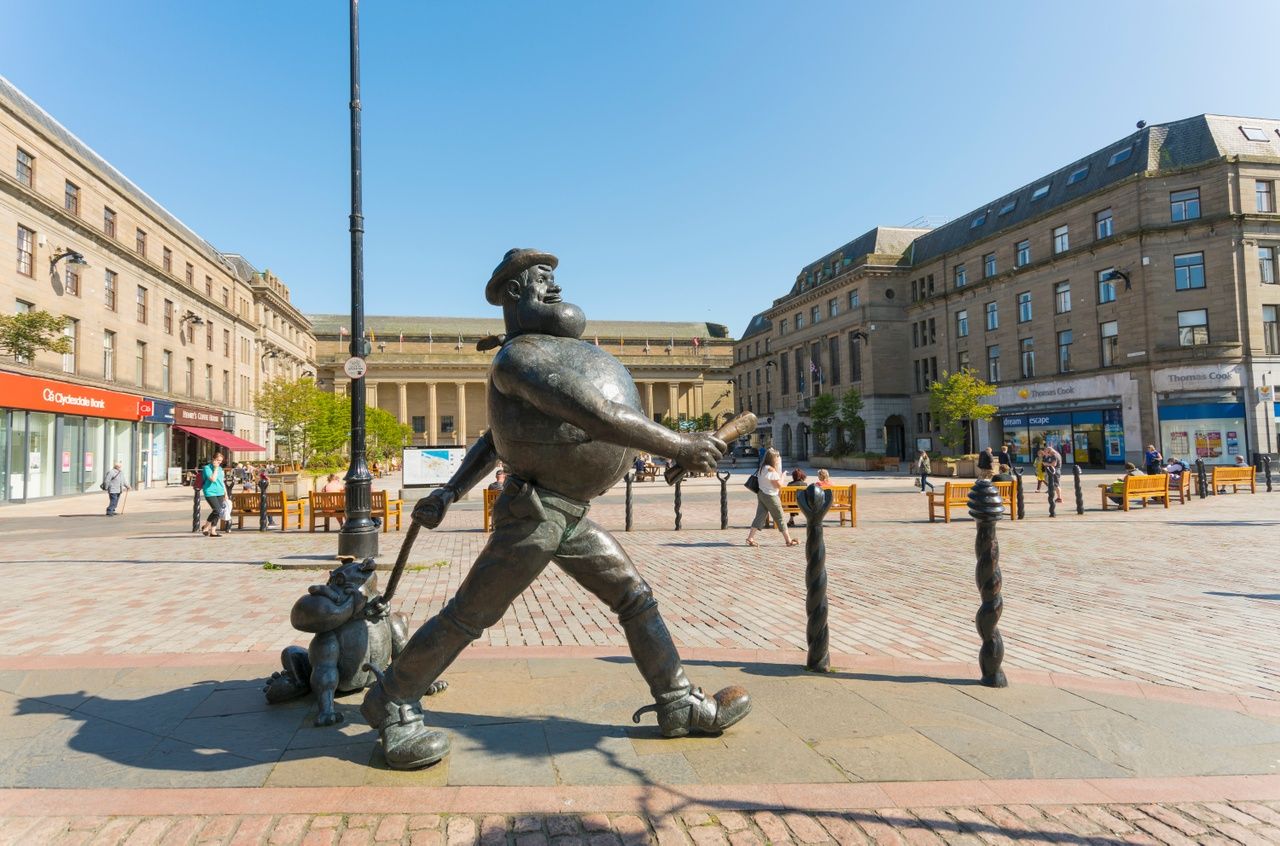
x,y
359,544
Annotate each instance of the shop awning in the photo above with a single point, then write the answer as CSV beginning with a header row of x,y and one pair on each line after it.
x,y
222,438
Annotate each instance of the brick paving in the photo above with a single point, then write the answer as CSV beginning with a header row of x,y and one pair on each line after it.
x,y
1182,599
1173,597
1244,823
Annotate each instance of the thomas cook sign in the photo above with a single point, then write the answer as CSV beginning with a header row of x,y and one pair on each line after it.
x,y
1199,378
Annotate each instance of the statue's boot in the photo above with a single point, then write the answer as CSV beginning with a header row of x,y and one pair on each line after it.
x,y
392,706
682,709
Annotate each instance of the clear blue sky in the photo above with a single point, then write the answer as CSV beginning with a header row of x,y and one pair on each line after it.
x,y
684,160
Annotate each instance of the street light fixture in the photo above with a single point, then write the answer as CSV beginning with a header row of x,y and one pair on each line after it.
x,y
358,537
74,259
1119,274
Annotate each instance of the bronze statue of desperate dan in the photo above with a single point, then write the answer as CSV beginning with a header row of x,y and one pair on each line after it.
x,y
566,420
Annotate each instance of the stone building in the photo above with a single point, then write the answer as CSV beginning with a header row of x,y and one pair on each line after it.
x,y
1128,298
427,371
167,332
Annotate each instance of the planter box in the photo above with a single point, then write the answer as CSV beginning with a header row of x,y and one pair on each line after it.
x,y
967,468
943,469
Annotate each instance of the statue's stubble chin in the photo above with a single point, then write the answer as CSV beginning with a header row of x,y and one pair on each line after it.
x,y
563,320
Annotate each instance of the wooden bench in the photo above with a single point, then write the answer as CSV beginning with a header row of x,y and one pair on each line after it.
x,y
382,505
1234,476
278,505
844,501
1181,487
1141,488
956,495
326,507
648,474
490,497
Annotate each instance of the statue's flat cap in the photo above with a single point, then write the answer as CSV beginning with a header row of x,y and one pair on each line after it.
x,y
515,262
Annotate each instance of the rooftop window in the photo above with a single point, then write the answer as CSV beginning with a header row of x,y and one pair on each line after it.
x,y
1119,156
1040,192
1254,133
1077,175
978,221
1009,206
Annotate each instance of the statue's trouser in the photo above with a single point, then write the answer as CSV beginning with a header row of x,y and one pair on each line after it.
x,y
550,528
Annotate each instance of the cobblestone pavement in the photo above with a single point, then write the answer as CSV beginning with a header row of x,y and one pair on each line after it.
x,y
1184,597
1244,823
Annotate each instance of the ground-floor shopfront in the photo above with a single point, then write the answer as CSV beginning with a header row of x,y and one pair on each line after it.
x,y
1093,421
1201,413
198,433
57,438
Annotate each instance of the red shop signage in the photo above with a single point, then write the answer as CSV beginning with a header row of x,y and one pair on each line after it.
x,y
36,394
190,415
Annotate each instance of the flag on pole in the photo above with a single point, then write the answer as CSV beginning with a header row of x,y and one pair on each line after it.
x,y
402,342
430,339
697,342
597,340
373,339
342,330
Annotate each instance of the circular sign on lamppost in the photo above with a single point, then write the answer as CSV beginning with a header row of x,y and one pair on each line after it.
x,y
355,367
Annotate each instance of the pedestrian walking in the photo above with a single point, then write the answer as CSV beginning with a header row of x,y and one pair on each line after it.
x,y
1005,457
924,468
1051,461
113,483
214,489
985,464
767,502
1153,460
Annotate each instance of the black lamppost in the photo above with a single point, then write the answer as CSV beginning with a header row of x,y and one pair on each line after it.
x,y
359,536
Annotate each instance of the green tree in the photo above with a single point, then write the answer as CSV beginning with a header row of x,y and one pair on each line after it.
x,y
290,407
329,430
850,413
956,403
385,434
27,333
823,415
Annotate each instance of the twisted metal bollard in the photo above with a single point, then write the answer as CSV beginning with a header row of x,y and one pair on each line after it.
x,y
985,508
724,500
1202,479
814,503
195,510
1022,503
1075,472
628,478
678,515
1051,478
262,509
1266,471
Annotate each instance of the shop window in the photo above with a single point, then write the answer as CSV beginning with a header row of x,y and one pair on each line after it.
x,y
1064,351
1193,327
1062,298
1027,357
993,363
1184,205
1188,271
1109,333
1270,331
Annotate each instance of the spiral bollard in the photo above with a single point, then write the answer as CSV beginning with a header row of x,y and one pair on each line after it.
x,y
1075,472
678,515
1052,477
985,508
724,500
814,503
1202,478
262,509
1022,503
195,510
1266,471
628,478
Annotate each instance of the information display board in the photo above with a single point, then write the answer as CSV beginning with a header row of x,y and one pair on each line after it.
x,y
431,465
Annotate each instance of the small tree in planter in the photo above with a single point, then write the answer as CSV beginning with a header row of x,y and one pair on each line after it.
x,y
849,416
956,403
823,415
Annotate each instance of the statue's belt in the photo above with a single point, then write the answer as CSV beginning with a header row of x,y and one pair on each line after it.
x,y
527,501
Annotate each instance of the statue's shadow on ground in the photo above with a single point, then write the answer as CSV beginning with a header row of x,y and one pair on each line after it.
x,y
798,671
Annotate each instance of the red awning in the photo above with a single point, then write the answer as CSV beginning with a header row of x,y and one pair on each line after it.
x,y
222,438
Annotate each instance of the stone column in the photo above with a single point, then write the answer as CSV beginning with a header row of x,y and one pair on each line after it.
x,y
433,416
673,396
698,408
404,401
461,428
371,394
648,399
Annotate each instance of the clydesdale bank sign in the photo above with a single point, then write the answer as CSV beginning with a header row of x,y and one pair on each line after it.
x,y
35,394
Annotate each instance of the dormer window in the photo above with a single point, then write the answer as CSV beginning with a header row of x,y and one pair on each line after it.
x,y
1119,156
1078,175
1254,133
1007,207
1040,191
978,221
